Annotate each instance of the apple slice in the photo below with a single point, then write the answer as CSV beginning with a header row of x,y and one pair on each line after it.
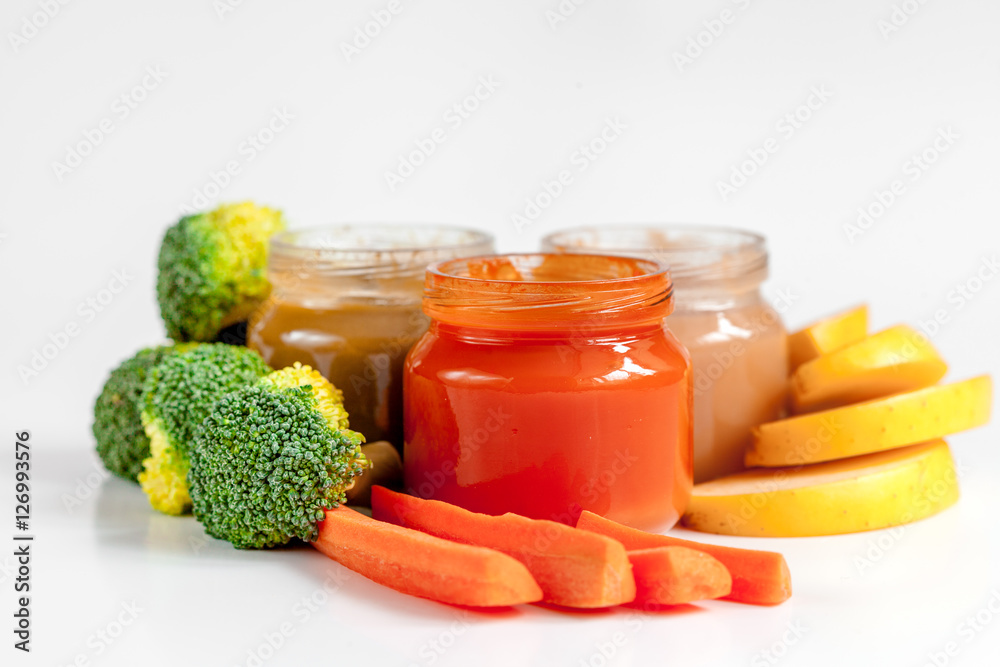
x,y
892,361
827,335
885,423
847,496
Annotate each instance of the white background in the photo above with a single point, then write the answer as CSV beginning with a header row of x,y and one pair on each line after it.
x,y
63,237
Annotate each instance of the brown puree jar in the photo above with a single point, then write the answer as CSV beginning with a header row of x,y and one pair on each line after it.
x,y
347,301
736,340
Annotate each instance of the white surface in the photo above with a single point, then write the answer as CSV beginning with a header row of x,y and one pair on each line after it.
x,y
63,241
879,598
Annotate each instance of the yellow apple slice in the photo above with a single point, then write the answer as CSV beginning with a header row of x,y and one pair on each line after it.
x,y
889,362
885,423
847,496
827,335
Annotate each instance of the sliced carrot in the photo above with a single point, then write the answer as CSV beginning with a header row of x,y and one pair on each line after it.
x,y
415,563
574,568
759,577
677,575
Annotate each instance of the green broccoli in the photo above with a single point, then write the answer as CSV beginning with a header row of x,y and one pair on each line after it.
x,y
271,458
213,269
122,443
178,394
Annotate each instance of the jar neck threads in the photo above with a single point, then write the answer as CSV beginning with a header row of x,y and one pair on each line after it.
x,y
365,262
711,267
548,293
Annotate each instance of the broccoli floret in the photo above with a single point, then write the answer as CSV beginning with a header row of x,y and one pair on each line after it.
x,y
178,394
213,269
271,458
122,442
329,399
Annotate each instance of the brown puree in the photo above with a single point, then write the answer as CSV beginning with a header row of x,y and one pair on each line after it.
x,y
346,300
360,348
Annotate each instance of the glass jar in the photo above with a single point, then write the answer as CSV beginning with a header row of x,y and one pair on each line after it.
x,y
546,385
737,342
346,301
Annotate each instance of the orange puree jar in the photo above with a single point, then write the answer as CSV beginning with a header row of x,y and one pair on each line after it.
x,y
546,385
346,301
736,340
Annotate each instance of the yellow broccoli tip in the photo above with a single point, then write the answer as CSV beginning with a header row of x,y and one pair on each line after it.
x,y
164,474
329,399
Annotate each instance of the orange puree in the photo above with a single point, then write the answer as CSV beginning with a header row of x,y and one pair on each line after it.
x,y
547,385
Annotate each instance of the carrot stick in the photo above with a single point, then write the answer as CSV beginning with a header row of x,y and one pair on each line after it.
x,y
677,575
759,577
574,568
415,563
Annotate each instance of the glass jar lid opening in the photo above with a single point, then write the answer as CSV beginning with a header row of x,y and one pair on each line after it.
x,y
378,249
547,291
698,256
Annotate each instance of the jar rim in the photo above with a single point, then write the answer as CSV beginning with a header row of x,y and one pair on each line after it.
x,y
696,254
372,251
379,237
563,289
650,268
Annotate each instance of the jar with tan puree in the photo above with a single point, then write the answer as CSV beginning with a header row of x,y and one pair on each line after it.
x,y
347,301
737,342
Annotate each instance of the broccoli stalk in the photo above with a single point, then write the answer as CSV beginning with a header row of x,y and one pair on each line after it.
x,y
178,394
270,459
213,269
122,442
